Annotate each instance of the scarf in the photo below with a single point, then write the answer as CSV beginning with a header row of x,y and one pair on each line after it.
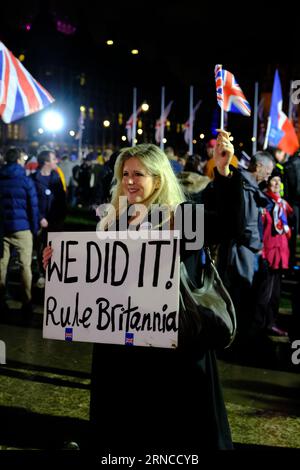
x,y
279,217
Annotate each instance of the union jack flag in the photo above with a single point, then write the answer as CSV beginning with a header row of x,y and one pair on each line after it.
x,y
20,93
162,122
229,94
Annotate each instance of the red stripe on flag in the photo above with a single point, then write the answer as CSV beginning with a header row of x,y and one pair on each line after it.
x,y
32,100
6,79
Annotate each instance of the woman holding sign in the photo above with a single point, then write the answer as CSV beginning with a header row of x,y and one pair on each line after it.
x,y
147,398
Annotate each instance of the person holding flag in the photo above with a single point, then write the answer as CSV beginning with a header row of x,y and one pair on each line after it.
x,y
230,98
229,94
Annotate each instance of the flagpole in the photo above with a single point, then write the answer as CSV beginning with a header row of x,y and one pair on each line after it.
x,y
222,107
162,123
290,101
81,127
191,120
222,118
254,142
133,137
267,133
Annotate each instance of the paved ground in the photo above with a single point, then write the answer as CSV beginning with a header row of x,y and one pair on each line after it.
x,y
44,386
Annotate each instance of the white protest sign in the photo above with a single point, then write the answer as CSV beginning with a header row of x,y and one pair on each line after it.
x,y
113,287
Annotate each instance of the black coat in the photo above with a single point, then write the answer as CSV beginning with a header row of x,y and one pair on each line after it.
x,y
51,197
159,399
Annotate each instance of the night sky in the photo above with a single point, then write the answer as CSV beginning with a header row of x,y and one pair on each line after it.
x,y
179,42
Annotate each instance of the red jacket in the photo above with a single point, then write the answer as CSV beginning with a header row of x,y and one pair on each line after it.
x,y
275,245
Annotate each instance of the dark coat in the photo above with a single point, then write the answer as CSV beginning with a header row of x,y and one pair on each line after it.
x,y
52,198
159,399
18,199
237,255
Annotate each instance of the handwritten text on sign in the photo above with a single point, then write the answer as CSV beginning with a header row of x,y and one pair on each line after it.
x,y
106,289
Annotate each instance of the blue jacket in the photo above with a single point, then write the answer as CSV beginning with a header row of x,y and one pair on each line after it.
x,y
18,199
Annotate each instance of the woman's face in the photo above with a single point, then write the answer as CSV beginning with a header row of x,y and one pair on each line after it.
x,y
137,184
274,184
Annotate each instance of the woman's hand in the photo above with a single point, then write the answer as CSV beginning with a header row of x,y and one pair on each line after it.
x,y
44,223
47,253
223,152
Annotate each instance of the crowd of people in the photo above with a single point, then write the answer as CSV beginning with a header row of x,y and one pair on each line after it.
x,y
250,223
37,192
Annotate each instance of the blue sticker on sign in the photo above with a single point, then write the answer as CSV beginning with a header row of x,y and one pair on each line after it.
x,y
129,339
69,334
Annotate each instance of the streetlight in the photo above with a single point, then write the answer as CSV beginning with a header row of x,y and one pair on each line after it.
x,y
53,121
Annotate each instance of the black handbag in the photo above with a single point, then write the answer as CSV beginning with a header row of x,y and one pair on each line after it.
x,y
207,316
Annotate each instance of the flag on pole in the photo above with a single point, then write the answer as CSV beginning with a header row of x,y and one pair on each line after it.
x,y
20,93
129,124
186,125
282,133
162,122
229,94
79,133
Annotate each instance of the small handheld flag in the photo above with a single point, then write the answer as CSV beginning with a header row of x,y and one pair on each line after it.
x,y
229,94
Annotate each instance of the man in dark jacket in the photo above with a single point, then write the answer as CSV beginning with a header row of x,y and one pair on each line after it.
x,y
238,258
20,210
51,200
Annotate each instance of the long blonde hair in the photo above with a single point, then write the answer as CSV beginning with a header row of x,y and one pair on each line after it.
x,y
169,193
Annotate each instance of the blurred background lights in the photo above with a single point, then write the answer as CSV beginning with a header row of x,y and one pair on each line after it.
x,y
72,133
140,131
40,130
53,121
145,107
106,123
124,138
109,42
134,51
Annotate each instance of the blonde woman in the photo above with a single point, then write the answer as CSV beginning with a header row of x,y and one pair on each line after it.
x,y
157,399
